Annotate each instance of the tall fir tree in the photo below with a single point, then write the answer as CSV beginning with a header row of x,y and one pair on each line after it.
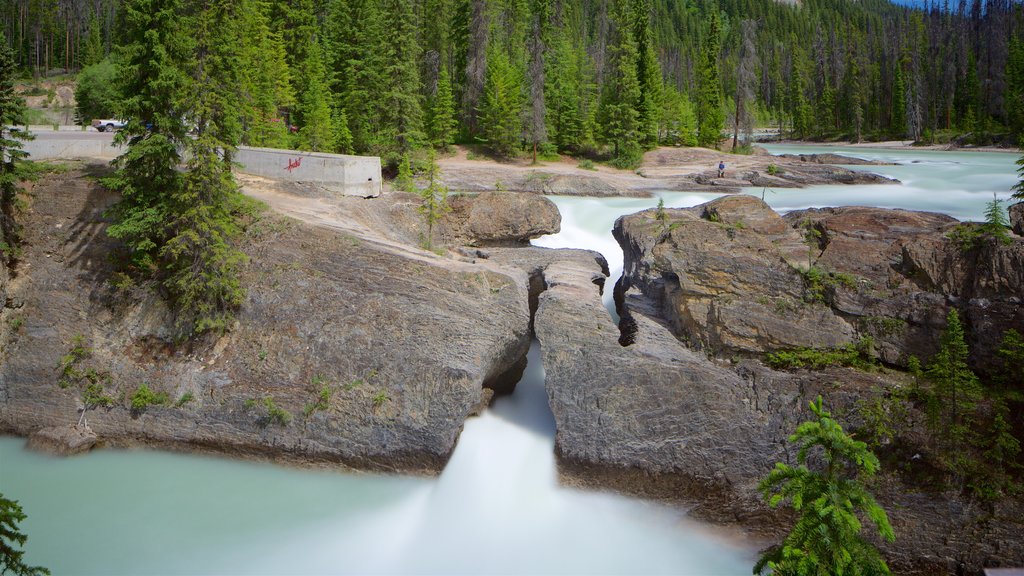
x,y
402,115
443,124
154,90
1015,88
93,51
620,97
710,115
648,74
501,105
956,387
12,154
266,82
313,111
357,53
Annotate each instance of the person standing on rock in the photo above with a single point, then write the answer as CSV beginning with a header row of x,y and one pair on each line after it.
x,y
721,169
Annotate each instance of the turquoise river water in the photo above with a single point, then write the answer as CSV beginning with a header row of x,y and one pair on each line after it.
x,y
496,509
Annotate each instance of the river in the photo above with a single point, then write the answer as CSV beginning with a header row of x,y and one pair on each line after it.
x,y
496,509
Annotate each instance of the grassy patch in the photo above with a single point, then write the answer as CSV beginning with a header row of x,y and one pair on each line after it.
x,y
859,356
144,397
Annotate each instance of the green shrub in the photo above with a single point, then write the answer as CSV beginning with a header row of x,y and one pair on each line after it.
x,y
859,355
817,281
323,399
586,164
144,397
774,170
185,399
275,414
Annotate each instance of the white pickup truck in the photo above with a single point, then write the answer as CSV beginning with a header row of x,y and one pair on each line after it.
x,y
108,124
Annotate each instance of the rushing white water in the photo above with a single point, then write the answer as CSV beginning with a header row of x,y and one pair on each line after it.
x,y
496,509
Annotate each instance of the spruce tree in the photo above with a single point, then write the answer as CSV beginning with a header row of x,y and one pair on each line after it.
x,y
501,105
11,153
153,89
402,115
443,124
648,75
710,115
342,135
1015,88
956,388
1018,188
313,112
434,200
620,97
357,54
829,501
266,83
11,538
93,51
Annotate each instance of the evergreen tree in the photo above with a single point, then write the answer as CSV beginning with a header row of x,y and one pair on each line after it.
x,y
153,88
201,266
501,105
435,200
955,387
899,103
402,115
93,51
648,75
11,538
443,124
342,135
996,223
1018,188
620,98
710,115
313,112
745,78
536,129
11,153
799,108
826,539
357,49
570,94
96,92
266,83
404,180
1015,88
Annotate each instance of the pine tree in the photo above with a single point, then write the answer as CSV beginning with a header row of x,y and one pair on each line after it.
x,y
996,223
342,135
266,83
955,387
829,502
357,60
11,538
443,124
710,115
536,128
404,180
899,103
1018,188
746,77
620,98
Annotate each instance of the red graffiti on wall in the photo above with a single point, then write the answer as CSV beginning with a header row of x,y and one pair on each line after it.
x,y
293,164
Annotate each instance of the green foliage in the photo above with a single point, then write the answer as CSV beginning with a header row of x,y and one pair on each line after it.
x,y
404,181
1011,356
955,388
185,399
710,113
860,356
817,283
996,224
144,397
12,156
323,398
272,413
313,110
967,236
829,502
380,398
443,124
96,93
661,216
586,164
434,201
12,539
885,416
618,114
501,106
774,170
1018,188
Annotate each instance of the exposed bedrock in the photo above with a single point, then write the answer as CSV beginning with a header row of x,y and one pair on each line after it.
x,y
402,341
732,276
1017,218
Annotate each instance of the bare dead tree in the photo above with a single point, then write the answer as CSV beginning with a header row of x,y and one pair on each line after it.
x,y
746,78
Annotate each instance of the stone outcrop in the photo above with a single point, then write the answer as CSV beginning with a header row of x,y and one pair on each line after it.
x,y
833,159
732,276
62,440
1017,218
403,341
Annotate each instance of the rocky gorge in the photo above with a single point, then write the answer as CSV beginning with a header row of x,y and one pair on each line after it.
x,y
357,348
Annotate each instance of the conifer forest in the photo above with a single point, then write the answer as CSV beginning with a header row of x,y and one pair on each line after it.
x,y
612,77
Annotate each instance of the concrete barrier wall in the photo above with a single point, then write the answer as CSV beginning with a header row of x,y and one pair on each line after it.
x,y
349,175
334,173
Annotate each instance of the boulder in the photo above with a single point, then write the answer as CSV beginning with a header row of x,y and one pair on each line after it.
x,y
62,440
1017,218
501,218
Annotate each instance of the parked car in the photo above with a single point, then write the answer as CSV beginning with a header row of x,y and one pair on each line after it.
x,y
108,124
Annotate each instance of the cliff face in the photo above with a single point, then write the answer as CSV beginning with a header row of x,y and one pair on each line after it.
x,y
735,280
732,276
378,353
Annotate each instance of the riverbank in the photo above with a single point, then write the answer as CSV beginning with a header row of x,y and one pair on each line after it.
x,y
662,170
898,145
